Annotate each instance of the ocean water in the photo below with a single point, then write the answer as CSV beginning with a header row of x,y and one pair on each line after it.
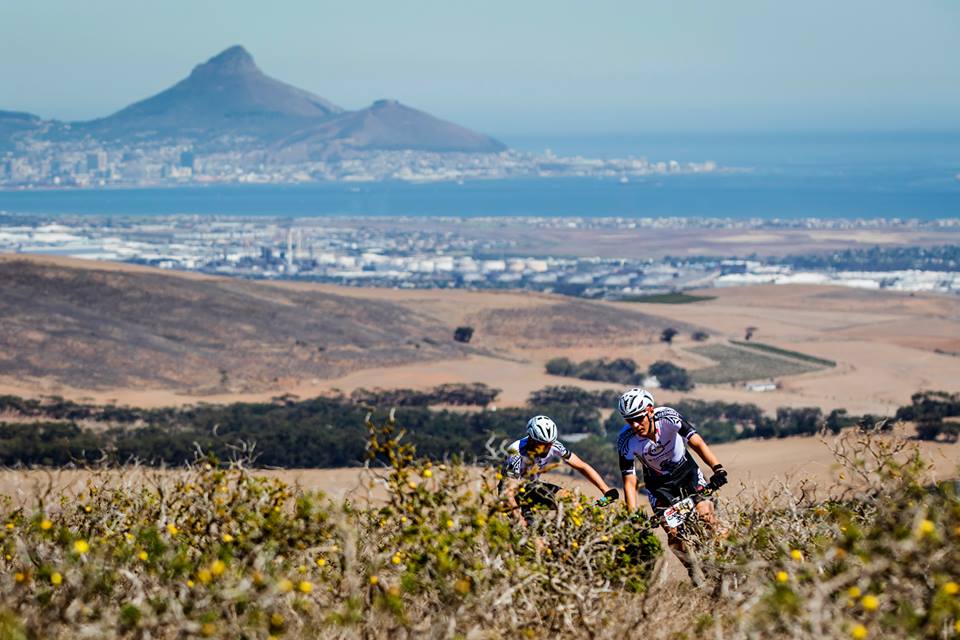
x,y
787,175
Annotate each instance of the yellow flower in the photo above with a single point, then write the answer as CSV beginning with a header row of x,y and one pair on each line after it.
x,y
46,525
276,620
87,508
20,576
859,632
227,537
321,562
285,586
305,586
172,529
396,559
208,629
204,576
218,567
81,546
926,528
870,603
854,592
499,476
9,526
374,580
143,555
797,555
462,586
56,578
129,537
190,584
783,576
449,524
951,588
427,473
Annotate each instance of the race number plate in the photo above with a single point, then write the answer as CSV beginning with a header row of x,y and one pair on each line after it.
x,y
676,514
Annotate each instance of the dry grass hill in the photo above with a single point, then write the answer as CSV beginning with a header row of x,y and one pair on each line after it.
x,y
145,337
76,327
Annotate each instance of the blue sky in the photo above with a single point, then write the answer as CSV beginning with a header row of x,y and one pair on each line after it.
x,y
523,66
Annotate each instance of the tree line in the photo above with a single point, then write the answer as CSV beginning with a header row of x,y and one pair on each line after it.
x,y
624,371
330,432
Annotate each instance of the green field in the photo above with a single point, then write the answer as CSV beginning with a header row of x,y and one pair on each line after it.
x,y
668,298
738,364
796,355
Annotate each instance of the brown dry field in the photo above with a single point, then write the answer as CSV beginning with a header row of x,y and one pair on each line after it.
x,y
885,343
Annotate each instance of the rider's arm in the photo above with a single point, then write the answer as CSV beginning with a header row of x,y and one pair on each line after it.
x,y
630,491
628,472
698,444
509,484
588,472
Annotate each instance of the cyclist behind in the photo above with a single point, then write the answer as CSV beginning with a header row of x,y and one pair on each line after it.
x,y
657,437
538,452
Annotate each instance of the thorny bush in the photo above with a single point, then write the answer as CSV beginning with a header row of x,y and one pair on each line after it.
x,y
216,551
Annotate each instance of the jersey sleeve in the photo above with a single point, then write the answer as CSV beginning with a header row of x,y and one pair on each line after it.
x,y
561,450
513,465
677,422
625,453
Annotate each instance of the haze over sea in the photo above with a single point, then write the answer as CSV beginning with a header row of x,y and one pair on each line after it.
x,y
786,175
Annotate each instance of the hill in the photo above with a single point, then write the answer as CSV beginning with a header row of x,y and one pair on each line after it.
x,y
95,327
229,103
886,345
227,95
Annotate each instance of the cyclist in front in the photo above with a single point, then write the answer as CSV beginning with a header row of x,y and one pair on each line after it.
x,y
538,452
657,437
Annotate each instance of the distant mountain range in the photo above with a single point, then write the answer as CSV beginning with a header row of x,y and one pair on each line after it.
x,y
228,102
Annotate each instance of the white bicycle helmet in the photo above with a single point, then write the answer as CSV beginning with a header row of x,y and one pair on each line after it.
x,y
634,403
542,429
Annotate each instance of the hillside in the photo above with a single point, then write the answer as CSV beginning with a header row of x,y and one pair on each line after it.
x,y
228,94
156,338
93,328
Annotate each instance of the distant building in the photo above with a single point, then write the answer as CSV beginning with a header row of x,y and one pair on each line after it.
x,y
188,160
97,161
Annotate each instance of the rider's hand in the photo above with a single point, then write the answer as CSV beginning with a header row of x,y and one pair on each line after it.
x,y
611,495
719,477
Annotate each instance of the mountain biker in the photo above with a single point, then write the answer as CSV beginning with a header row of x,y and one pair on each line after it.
x,y
658,437
534,454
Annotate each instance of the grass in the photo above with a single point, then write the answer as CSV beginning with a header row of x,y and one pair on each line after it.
x,y
668,298
737,364
216,551
796,355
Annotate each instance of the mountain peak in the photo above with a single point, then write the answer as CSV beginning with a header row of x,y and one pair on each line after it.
x,y
235,59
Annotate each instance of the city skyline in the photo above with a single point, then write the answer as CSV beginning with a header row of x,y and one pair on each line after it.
x,y
534,68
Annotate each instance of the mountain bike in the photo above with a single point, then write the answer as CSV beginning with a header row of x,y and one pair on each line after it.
x,y
685,526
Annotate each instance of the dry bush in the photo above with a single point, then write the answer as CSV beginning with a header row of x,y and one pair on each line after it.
x,y
217,551
214,550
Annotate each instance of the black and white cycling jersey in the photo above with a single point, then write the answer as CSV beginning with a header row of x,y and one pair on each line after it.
x,y
663,456
523,463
